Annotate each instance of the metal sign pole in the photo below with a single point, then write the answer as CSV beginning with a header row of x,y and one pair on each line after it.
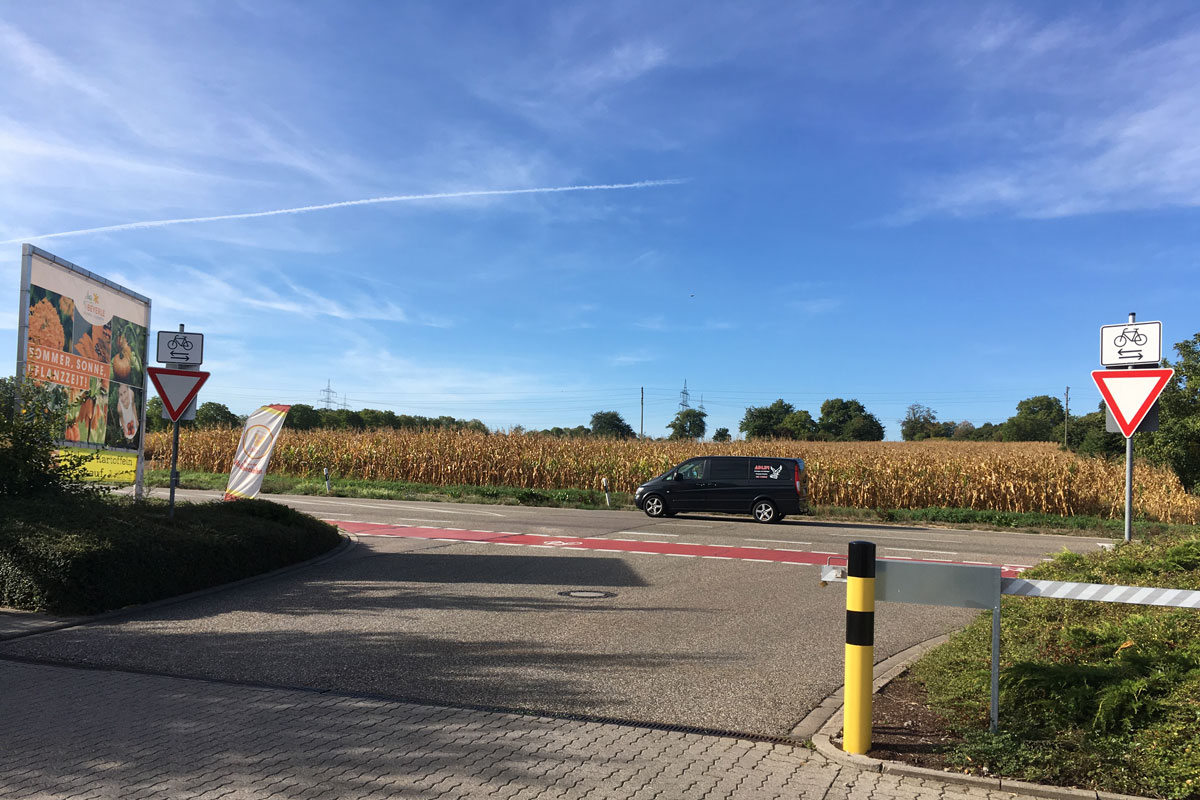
x,y
1129,472
1128,488
996,665
174,471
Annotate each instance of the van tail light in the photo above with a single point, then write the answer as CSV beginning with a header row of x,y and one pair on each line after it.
x,y
798,481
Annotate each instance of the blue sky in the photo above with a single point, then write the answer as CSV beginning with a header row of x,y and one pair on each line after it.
x,y
907,202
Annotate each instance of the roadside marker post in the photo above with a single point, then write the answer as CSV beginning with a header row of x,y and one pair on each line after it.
x,y
860,647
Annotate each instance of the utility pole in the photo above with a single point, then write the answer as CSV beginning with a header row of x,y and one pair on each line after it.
x,y
684,396
1066,414
642,427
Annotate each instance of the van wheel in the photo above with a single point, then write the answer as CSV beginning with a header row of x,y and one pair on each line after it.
x,y
654,506
764,511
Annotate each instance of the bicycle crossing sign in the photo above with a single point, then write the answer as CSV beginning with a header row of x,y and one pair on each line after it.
x,y
178,347
1131,344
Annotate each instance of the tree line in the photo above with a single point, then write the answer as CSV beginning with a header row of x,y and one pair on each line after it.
x,y
1043,418
303,417
840,421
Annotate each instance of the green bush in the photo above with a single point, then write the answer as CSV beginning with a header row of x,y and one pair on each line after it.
x,y
31,419
86,554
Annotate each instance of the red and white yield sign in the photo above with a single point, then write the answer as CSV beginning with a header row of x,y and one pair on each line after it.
x,y
176,387
1130,393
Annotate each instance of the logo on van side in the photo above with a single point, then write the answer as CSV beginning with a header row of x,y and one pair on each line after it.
x,y
767,471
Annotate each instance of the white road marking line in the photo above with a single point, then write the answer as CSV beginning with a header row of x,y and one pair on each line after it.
x,y
680,555
760,560
719,558
354,501
389,522
779,541
827,553
912,550
688,525
982,563
457,511
645,533
901,538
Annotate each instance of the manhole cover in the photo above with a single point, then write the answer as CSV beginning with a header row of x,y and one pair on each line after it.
x,y
587,594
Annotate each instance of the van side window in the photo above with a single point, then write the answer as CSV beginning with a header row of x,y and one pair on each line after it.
x,y
727,469
692,470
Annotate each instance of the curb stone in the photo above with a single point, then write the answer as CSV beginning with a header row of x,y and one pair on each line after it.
x,y
44,623
824,723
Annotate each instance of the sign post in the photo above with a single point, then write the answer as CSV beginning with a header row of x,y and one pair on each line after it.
x,y
1129,391
177,388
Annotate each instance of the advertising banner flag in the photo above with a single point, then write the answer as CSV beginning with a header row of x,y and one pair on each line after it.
x,y
254,452
86,337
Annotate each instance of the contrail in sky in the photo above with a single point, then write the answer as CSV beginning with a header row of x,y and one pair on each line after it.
x,y
400,198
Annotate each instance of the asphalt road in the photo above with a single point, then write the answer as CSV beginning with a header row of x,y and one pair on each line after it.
x,y
732,644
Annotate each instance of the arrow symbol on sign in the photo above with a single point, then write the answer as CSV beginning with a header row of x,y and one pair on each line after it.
x,y
1132,353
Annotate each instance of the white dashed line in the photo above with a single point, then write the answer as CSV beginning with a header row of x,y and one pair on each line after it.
x,y
911,550
901,538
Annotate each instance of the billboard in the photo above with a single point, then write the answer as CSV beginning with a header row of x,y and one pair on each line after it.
x,y
87,337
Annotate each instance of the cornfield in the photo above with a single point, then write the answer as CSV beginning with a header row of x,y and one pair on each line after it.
x,y
1027,476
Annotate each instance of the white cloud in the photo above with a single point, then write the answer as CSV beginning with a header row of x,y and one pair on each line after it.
x,y
631,359
1072,120
818,305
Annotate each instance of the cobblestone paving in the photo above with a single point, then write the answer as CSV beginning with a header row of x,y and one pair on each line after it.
x,y
90,734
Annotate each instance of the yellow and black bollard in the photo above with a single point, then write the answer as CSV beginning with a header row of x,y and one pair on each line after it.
x,y
860,647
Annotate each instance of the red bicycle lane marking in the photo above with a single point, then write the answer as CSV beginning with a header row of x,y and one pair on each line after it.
x,y
726,552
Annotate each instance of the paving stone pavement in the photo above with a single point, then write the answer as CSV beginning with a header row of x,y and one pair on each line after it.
x,y
90,734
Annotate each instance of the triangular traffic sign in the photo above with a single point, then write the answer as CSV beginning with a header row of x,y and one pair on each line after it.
x,y
1130,393
176,387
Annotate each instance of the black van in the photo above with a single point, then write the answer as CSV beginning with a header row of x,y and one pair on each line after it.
x,y
767,488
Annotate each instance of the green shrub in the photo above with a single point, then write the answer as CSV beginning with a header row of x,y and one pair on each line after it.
x,y
1100,695
31,419
86,554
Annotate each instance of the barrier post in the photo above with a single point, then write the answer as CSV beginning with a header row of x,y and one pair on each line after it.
x,y
860,647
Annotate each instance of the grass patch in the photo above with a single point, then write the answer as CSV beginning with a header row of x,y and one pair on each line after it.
x,y
396,490
1100,695
84,555
1025,521
589,499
